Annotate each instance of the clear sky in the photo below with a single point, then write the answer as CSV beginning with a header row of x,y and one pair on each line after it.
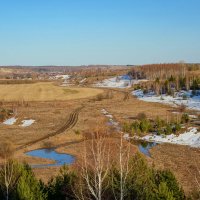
x,y
78,32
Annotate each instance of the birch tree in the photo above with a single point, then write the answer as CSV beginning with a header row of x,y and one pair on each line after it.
x,y
94,168
8,177
123,169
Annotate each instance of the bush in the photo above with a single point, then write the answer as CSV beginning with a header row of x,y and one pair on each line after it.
x,y
99,97
159,123
145,125
168,129
141,116
7,149
62,186
182,108
169,179
176,127
77,132
185,118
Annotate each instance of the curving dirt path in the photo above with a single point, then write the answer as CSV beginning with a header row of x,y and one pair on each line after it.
x,y
70,123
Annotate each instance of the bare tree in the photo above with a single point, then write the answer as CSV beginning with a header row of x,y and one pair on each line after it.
x,y
8,176
123,167
95,167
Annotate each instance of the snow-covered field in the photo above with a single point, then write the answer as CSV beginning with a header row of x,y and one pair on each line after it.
x,y
191,138
10,121
118,82
27,122
192,102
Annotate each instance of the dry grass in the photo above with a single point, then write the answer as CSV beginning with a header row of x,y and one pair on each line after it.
x,y
182,160
43,92
50,116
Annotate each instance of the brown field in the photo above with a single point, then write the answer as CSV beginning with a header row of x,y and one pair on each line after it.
x,y
51,115
182,160
44,92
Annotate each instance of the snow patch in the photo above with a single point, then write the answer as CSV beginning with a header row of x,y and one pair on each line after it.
x,y
10,121
111,122
118,82
27,122
64,77
189,138
192,102
83,80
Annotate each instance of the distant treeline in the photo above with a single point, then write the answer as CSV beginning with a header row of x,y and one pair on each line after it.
x,y
167,78
14,81
164,71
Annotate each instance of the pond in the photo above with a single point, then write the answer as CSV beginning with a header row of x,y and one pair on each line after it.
x,y
144,146
59,158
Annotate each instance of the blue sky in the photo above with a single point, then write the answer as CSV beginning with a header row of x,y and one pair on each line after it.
x,y
78,32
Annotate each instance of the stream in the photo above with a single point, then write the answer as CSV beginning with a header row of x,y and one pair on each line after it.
x,y
144,146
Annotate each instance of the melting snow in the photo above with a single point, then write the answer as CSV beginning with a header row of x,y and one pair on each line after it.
x,y
190,138
10,121
118,82
104,111
27,122
111,122
83,80
64,77
192,102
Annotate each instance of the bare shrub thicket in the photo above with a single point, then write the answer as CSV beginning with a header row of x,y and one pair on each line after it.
x,y
6,149
182,108
47,145
107,95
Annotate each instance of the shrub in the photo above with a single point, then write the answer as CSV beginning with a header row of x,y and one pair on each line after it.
x,y
126,127
159,123
109,95
169,179
77,132
48,145
62,186
141,116
168,129
185,118
6,149
176,127
145,125
99,97
182,108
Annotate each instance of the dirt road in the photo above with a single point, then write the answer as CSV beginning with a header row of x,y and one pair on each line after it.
x,y
70,123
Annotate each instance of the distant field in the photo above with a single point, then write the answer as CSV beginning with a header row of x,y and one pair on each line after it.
x,y
44,92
